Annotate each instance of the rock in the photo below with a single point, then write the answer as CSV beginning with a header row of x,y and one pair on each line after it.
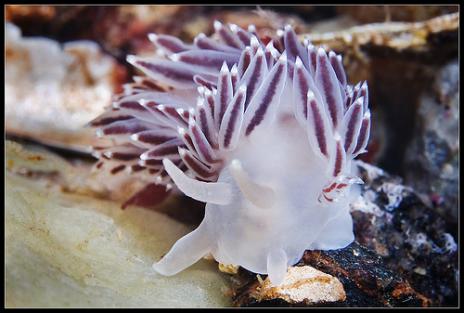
x,y
431,163
68,250
76,176
390,38
120,30
303,284
412,238
365,279
228,268
410,13
52,91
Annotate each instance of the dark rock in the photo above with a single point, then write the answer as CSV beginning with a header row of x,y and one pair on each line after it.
x,y
413,239
366,280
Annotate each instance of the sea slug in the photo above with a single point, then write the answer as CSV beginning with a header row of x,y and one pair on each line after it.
x,y
263,130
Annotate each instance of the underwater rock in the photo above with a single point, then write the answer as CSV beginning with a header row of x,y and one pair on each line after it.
x,y
412,238
382,13
53,90
364,277
431,163
63,249
303,284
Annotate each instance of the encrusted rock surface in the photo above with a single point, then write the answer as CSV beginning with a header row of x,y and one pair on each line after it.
x,y
412,237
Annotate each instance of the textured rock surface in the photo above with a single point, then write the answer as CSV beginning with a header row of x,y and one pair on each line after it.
x,y
70,250
303,284
412,237
365,279
431,165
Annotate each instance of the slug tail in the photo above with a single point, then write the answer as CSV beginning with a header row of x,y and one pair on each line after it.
x,y
277,266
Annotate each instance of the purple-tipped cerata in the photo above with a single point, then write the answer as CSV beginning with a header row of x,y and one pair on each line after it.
x,y
263,133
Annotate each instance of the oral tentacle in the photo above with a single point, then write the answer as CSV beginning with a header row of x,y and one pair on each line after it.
x,y
259,195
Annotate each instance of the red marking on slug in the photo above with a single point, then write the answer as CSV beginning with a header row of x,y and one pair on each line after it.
x,y
330,188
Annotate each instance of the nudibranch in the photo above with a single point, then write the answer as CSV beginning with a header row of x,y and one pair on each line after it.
x,y
263,130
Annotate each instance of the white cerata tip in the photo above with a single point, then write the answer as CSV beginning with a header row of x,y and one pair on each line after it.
x,y
310,95
242,89
252,28
182,152
233,27
174,57
191,122
153,37
200,102
201,90
131,59
234,70
224,68
134,137
283,57
217,25
254,42
198,37
181,130
321,52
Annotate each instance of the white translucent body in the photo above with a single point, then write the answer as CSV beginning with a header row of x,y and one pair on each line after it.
x,y
268,146
266,236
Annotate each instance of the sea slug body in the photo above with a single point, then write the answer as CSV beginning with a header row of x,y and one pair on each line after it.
x,y
263,132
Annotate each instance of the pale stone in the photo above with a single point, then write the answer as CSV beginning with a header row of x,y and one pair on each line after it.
x,y
69,250
228,268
